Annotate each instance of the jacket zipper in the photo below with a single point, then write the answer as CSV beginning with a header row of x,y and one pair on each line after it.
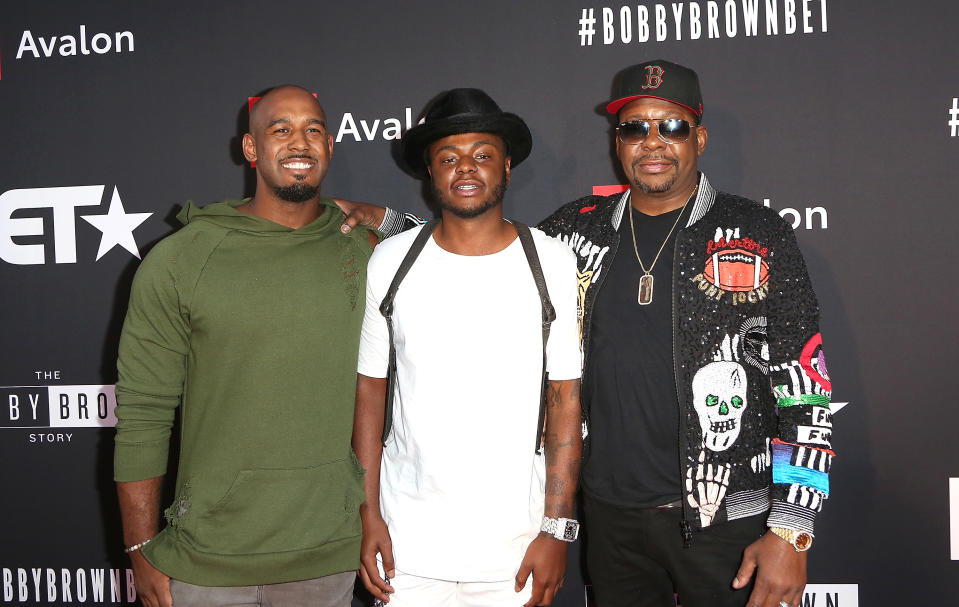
x,y
587,305
684,523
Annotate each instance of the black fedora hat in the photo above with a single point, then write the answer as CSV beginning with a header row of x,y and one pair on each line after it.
x,y
464,111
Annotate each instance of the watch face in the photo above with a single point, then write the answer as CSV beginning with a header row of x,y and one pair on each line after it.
x,y
571,531
803,541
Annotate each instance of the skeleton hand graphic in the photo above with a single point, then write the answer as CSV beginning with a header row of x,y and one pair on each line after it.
x,y
760,462
706,487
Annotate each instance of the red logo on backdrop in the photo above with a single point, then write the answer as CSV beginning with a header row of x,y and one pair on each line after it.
x,y
654,77
250,102
609,190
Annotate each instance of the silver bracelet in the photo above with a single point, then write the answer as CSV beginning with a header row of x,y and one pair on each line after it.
x,y
136,547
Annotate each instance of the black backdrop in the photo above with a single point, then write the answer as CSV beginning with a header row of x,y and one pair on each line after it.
x,y
843,114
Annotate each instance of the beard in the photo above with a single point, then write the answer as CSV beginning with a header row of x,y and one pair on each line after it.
x,y
654,189
297,192
495,198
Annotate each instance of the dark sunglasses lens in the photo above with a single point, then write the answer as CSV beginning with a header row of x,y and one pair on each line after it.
x,y
633,132
674,130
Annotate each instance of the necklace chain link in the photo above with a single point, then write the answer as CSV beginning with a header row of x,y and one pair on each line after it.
x,y
645,295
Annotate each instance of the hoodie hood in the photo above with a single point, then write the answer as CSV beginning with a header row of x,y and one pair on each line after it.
x,y
225,215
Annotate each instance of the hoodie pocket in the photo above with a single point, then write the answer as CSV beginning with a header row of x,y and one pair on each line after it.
x,y
282,510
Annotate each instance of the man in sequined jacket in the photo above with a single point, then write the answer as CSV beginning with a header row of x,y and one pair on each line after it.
x,y
705,385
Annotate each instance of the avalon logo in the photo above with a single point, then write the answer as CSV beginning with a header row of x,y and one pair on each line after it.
x,y
116,225
72,44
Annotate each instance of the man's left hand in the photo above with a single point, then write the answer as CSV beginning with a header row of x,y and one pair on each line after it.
x,y
546,560
359,213
780,572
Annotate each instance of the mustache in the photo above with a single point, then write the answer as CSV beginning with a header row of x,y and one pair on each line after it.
x,y
299,156
657,157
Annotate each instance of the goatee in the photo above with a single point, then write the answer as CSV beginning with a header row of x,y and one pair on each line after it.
x,y
495,198
655,189
297,192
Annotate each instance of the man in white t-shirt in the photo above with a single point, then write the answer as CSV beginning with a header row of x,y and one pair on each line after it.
x,y
462,504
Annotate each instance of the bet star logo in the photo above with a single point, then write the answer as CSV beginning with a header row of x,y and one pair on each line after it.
x,y
116,226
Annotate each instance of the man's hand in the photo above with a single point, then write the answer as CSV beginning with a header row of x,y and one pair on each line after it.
x,y
153,587
545,558
780,572
359,213
376,540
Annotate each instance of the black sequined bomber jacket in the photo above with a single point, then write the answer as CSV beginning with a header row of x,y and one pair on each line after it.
x,y
754,392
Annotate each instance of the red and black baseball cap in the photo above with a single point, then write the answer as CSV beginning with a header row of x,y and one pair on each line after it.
x,y
659,79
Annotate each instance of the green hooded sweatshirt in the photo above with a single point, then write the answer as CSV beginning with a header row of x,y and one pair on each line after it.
x,y
253,329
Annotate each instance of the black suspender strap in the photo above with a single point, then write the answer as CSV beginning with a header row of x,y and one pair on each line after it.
x,y
386,309
548,313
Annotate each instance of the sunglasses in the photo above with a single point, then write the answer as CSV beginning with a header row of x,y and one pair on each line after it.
x,y
669,130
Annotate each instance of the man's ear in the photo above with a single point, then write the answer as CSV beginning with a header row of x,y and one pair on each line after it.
x,y
702,135
509,162
249,147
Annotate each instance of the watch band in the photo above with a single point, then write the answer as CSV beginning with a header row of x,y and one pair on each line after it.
x,y
800,540
565,529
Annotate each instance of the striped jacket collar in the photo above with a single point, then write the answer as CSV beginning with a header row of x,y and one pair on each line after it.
x,y
705,198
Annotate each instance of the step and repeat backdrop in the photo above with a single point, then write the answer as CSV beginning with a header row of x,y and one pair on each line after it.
x,y
843,115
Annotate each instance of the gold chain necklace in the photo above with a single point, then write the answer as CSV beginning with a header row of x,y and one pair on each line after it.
x,y
645,295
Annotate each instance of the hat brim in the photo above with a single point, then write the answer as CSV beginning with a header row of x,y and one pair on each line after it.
x,y
509,127
613,107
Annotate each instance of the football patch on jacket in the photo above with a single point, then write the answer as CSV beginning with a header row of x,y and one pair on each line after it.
x,y
735,263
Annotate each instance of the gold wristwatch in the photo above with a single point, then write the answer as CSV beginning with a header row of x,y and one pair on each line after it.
x,y
800,540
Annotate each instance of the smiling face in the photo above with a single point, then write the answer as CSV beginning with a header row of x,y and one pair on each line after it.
x,y
653,166
290,144
469,171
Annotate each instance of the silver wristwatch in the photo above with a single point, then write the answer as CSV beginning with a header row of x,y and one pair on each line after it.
x,y
565,529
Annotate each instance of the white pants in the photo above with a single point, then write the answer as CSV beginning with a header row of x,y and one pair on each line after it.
x,y
413,591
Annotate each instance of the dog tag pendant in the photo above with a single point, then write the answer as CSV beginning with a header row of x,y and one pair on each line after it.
x,y
645,289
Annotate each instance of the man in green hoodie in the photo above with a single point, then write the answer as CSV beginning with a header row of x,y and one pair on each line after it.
x,y
248,318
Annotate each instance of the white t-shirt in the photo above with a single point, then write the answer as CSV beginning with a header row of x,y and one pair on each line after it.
x,y
461,488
